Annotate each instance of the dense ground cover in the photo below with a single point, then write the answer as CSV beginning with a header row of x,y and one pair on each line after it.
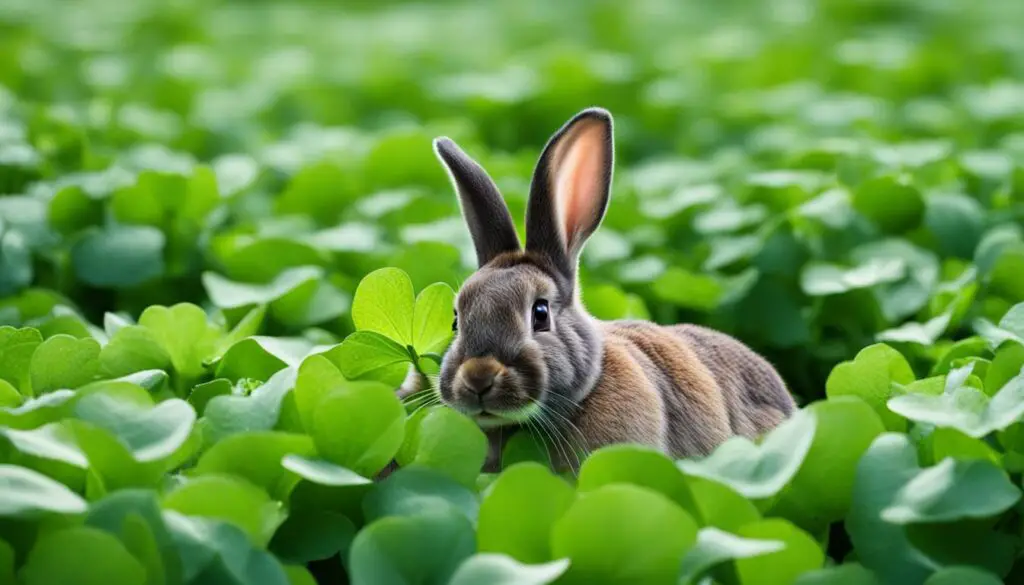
x,y
207,208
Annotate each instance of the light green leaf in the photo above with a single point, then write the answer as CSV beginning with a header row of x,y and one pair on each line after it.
x,y
870,376
52,441
230,499
64,362
447,441
131,349
758,470
228,294
317,377
432,318
821,490
623,533
84,556
688,289
384,303
322,472
953,490
259,411
496,569
16,349
359,426
364,353
891,202
518,511
151,433
821,279
24,492
965,408
715,546
257,457
186,336
638,465
800,554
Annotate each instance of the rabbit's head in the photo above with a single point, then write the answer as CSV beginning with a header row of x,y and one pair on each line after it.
x,y
524,345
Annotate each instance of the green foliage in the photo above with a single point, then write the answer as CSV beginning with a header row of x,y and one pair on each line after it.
x,y
225,241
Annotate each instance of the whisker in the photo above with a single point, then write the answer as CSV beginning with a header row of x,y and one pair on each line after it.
x,y
545,411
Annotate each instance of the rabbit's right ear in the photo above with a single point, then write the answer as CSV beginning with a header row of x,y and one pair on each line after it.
x,y
483,208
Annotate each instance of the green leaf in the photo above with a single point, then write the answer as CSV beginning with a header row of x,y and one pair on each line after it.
x,y
495,569
134,515
6,563
687,289
257,457
228,294
432,318
715,546
823,486
963,576
230,499
518,511
63,362
623,533
24,492
889,463
638,465
16,349
447,441
410,491
131,349
721,506
259,357
186,336
364,353
384,303
359,426
821,279
81,555
214,551
312,535
53,441
425,548
964,408
800,554
322,472
259,411
119,256
151,433
953,490
38,411
891,202
845,574
317,377
870,376
758,471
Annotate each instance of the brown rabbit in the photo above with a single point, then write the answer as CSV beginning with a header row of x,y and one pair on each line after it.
x,y
527,353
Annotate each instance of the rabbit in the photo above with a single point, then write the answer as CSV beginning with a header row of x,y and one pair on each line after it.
x,y
526,353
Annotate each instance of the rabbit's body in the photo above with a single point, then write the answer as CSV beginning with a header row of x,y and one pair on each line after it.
x,y
527,353
704,387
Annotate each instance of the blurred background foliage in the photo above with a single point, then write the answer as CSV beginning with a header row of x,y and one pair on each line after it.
x,y
812,176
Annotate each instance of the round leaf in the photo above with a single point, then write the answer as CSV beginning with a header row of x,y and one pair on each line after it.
x,y
84,556
623,533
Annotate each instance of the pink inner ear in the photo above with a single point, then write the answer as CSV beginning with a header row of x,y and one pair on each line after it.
x,y
577,181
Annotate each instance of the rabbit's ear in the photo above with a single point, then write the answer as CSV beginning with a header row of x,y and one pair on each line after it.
x,y
483,208
570,189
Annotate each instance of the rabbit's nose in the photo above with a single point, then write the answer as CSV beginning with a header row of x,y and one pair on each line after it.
x,y
478,374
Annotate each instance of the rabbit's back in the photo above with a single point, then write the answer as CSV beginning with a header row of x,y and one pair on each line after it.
x,y
757,397
711,385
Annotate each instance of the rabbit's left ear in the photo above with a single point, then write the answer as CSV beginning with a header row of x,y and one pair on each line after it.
x,y
570,189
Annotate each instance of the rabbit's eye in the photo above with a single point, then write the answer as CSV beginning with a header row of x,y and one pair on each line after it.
x,y
541,316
